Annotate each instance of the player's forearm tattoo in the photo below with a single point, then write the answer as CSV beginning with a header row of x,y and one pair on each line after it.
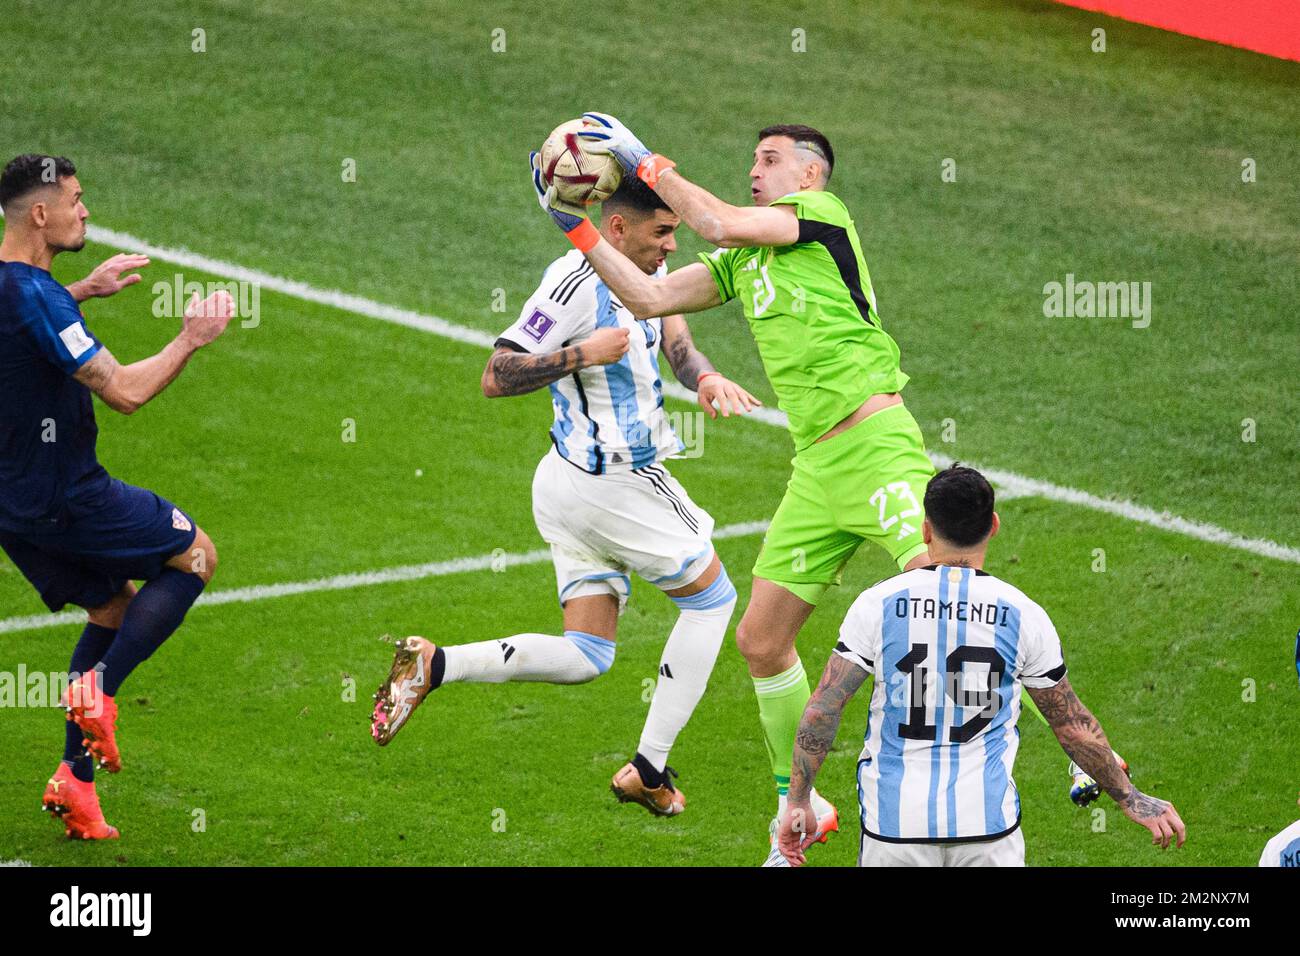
x,y
821,719
97,373
688,362
1082,738
1142,806
517,373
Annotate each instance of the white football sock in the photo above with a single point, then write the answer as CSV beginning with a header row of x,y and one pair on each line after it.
x,y
685,666
572,659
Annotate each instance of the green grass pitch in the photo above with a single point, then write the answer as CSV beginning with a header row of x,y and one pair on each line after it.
x,y
1124,165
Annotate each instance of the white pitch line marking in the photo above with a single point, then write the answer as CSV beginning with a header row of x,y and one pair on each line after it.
x,y
1010,484
347,582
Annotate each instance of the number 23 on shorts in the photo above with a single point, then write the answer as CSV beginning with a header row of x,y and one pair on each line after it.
x,y
897,508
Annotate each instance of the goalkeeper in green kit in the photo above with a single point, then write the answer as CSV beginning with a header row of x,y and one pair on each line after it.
x,y
860,467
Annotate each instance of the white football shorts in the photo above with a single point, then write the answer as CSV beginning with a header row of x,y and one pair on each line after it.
x,y
1004,851
602,528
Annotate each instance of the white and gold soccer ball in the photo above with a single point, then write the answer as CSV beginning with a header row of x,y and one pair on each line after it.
x,y
580,172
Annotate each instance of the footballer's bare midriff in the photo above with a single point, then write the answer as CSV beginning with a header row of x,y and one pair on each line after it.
x,y
864,411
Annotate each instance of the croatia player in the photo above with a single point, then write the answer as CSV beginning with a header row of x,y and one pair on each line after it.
x,y
602,499
78,535
950,647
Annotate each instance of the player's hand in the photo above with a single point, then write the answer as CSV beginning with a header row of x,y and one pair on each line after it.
x,y
107,277
730,397
604,347
568,217
1158,816
205,320
616,139
795,831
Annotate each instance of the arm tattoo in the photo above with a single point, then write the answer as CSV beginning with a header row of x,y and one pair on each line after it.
x,y
821,719
688,362
517,373
98,372
1082,738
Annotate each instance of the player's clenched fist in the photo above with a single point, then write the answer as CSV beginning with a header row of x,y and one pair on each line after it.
x,y
206,319
605,347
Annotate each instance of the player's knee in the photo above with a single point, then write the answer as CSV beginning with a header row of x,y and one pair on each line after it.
x,y
212,560
598,651
203,557
757,645
111,614
748,640
714,603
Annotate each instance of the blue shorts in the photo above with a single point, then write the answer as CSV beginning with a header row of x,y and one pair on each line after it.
x,y
128,536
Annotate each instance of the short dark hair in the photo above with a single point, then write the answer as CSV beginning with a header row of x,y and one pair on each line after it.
x,y
805,137
959,504
633,195
30,171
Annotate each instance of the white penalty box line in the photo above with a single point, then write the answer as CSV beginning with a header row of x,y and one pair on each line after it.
x,y
1009,484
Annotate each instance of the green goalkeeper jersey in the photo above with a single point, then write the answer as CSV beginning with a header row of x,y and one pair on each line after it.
x,y
813,314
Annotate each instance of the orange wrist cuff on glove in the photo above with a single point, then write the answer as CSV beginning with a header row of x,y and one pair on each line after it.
x,y
584,235
652,167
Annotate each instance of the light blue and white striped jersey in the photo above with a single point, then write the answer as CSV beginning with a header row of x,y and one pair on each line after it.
x,y
607,417
950,648
1283,849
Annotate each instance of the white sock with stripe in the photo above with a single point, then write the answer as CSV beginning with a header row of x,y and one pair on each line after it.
x,y
685,666
575,658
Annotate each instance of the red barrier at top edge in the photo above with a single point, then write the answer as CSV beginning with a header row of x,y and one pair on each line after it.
x,y
1265,26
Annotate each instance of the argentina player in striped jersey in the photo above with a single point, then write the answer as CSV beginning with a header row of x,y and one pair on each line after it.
x,y
950,647
603,499
1284,849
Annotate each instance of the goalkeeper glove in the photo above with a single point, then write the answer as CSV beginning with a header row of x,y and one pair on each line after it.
x,y
621,143
572,220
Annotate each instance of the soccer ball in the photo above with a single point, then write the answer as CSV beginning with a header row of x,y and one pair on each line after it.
x,y
581,175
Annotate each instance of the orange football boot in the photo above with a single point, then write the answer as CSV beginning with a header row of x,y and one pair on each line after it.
x,y
75,803
96,714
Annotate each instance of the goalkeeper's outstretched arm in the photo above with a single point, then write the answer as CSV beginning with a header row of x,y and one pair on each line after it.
x,y
722,223
689,289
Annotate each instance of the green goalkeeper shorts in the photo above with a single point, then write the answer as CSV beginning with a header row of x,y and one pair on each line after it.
x,y
865,484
